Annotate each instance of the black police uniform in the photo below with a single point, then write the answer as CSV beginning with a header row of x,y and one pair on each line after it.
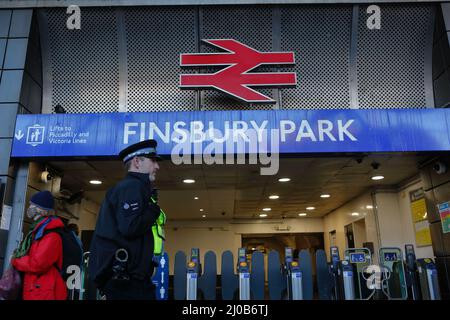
x,y
124,222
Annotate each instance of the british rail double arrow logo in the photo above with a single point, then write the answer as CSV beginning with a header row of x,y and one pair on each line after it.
x,y
235,79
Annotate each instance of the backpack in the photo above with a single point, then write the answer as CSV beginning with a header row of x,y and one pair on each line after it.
x,y
72,253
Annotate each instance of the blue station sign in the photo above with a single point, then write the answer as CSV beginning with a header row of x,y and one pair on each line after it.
x,y
234,132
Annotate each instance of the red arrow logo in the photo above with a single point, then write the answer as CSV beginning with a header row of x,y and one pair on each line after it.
x,y
235,79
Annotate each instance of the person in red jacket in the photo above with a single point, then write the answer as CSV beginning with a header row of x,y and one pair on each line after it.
x,y
40,255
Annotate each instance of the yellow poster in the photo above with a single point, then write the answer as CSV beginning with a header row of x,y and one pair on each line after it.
x,y
423,235
419,210
419,218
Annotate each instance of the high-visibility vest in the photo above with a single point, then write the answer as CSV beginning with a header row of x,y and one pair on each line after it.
x,y
158,233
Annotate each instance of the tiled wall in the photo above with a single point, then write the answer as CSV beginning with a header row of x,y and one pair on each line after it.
x,y
20,90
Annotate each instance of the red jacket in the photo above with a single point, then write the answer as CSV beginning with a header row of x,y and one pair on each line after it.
x,y
42,280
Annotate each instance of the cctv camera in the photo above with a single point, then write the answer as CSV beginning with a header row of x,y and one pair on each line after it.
x,y
440,167
375,165
59,109
46,176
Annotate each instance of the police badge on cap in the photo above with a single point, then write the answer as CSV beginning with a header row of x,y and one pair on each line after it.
x,y
146,148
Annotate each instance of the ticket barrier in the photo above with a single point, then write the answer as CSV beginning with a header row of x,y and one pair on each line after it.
x,y
278,277
335,279
194,269
412,274
422,278
248,283
428,279
243,270
189,282
293,276
393,275
356,274
84,276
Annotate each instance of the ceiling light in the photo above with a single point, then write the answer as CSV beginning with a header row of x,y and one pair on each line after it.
x,y
204,216
325,196
355,214
195,198
377,178
95,182
273,197
302,214
284,179
267,209
369,207
189,181
263,215
201,210
310,208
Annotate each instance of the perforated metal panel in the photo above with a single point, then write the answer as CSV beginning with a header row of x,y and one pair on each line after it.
x,y
392,61
84,63
250,25
320,37
155,39
130,56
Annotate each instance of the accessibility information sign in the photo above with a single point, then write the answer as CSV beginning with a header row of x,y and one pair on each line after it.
x,y
234,132
161,277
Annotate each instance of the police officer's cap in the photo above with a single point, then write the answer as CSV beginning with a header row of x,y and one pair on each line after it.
x,y
146,148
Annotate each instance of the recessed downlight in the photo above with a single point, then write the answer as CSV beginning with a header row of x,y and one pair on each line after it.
x,y
377,178
274,197
95,182
284,179
189,181
302,214
326,195
263,215
310,208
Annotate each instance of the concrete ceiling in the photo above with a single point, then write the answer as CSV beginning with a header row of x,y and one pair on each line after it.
x,y
239,191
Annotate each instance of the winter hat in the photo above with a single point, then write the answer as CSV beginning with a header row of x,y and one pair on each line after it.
x,y
43,199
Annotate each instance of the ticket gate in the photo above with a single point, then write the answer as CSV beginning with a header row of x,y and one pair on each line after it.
x,y
348,280
412,276
194,269
248,283
324,276
355,274
331,279
84,276
189,282
393,276
336,274
243,270
422,278
293,276
278,277
429,282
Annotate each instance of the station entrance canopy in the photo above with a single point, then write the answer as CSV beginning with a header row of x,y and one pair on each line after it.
x,y
234,132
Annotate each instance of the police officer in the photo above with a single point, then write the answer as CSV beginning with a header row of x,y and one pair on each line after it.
x,y
121,253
